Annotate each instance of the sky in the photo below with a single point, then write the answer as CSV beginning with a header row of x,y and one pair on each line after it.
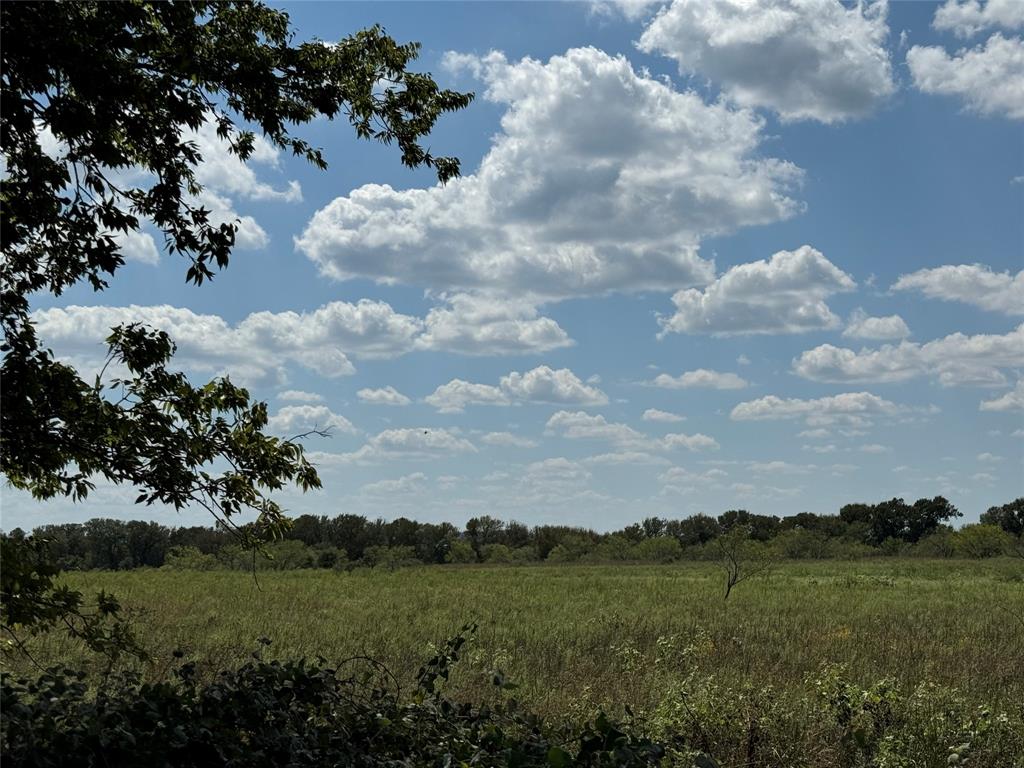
x,y
703,256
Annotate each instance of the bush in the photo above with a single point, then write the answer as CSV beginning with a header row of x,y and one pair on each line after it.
x,y
802,544
390,557
189,559
982,540
660,549
296,714
460,552
496,553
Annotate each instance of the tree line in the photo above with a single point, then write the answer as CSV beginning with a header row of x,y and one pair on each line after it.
x,y
347,540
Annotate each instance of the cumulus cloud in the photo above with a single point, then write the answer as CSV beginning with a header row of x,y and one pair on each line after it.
x,y
1011,401
989,78
138,246
580,425
485,325
701,377
863,326
858,408
966,18
805,59
407,443
974,284
957,360
785,294
558,209
507,440
294,419
322,340
223,171
298,396
385,396
414,483
653,414
540,385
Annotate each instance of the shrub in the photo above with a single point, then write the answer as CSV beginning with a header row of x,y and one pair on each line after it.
x,y
460,552
661,549
294,713
189,559
982,540
496,553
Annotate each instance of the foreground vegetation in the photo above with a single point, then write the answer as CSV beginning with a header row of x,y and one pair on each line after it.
x,y
815,664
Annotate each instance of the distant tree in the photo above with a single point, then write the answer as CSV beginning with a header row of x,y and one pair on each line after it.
x,y
693,530
981,540
652,527
1009,517
484,530
740,556
761,527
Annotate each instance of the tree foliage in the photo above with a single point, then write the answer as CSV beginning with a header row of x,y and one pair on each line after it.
x,y
120,88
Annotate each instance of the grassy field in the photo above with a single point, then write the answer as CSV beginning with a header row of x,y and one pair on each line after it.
x,y
579,637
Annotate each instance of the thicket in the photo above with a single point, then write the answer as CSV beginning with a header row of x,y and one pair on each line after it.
x,y
888,528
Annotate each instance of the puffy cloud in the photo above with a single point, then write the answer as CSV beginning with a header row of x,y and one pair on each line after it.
x,y
507,440
555,473
862,326
989,77
223,171
966,18
695,442
653,414
557,209
875,448
579,425
785,294
805,59
540,385
989,457
850,407
297,395
974,284
409,443
321,340
386,396
480,325
1011,401
623,458
414,483
293,419
701,377
138,246
957,360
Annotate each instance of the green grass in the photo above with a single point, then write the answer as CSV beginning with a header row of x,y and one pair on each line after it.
x,y
556,630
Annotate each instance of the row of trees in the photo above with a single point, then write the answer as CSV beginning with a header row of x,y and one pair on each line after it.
x,y
891,527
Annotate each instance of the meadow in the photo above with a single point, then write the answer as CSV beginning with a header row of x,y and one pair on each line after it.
x,y
798,650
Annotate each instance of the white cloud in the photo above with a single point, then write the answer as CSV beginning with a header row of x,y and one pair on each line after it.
x,y
785,294
862,326
695,442
743,360
297,395
540,385
875,448
578,425
989,78
322,340
815,434
223,171
293,419
507,440
966,18
558,209
385,396
401,486
701,377
957,360
974,284
989,458
137,246
850,407
410,443
805,59
653,414
479,325
625,457
1011,401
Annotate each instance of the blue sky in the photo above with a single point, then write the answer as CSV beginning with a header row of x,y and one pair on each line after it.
x,y
702,257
